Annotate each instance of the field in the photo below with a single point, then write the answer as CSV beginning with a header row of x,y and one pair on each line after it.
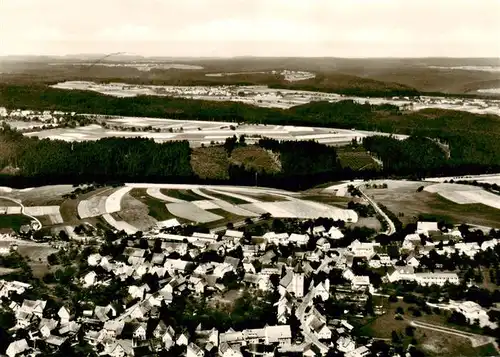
x,y
223,197
402,197
465,194
356,158
256,158
156,208
138,207
211,163
184,195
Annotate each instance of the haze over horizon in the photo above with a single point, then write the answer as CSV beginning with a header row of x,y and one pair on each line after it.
x,y
267,28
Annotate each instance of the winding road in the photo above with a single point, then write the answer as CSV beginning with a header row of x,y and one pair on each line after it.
x,y
390,224
23,211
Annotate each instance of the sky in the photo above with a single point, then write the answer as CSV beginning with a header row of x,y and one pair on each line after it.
x,y
225,28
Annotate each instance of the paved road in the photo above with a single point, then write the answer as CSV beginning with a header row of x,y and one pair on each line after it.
x,y
391,227
308,335
23,211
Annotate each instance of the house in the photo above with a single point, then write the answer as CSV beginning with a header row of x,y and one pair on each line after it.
x,y
363,250
249,268
64,315
323,244
222,269
318,230
118,348
226,350
489,244
317,323
260,281
178,265
233,234
438,278
183,339
34,307
139,331
358,352
360,282
474,312
198,285
284,308
94,259
412,261
334,233
320,330
17,348
250,250
410,241
158,259
322,290
379,260
46,326
276,238
345,344
292,282
138,292
8,287
89,279
233,262
194,351
426,228
169,223
281,334
469,249
113,328
401,273
298,239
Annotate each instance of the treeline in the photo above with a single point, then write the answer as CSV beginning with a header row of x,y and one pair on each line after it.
x,y
419,157
103,160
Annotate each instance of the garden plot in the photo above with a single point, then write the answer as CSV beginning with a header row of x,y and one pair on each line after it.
x,y
464,194
113,202
93,207
189,211
120,225
155,192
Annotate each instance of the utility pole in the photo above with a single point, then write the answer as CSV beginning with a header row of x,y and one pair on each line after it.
x,y
256,173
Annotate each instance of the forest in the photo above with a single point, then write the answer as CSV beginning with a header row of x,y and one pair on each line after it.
x,y
461,142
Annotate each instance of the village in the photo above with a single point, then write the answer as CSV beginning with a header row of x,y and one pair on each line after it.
x,y
302,288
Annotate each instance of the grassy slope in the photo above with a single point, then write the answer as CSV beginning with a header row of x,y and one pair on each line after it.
x,y
157,209
413,204
213,162
256,158
356,158
210,162
433,342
